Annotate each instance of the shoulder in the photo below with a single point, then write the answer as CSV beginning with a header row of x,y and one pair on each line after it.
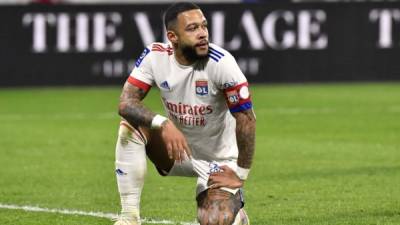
x,y
217,53
157,48
155,51
160,48
224,67
220,56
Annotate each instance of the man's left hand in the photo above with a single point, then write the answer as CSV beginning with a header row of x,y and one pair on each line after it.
x,y
225,178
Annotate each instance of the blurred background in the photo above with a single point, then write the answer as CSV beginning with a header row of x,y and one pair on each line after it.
x,y
95,42
324,79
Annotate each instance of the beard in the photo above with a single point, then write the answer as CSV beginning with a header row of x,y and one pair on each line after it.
x,y
191,54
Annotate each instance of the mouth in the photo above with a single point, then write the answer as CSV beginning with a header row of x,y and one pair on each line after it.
x,y
202,44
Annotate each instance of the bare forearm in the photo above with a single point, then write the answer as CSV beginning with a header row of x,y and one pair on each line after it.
x,y
245,136
132,109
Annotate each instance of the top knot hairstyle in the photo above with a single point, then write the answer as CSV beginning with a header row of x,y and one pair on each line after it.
x,y
172,12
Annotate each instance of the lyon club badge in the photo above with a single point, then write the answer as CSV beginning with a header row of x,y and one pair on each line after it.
x,y
201,87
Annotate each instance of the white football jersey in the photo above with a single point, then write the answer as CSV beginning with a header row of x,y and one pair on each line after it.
x,y
197,98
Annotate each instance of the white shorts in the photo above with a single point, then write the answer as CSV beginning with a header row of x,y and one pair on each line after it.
x,y
201,170
188,168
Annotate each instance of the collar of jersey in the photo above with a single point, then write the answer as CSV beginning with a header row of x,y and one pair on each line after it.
x,y
180,65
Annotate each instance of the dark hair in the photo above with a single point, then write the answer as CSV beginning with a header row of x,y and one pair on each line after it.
x,y
172,12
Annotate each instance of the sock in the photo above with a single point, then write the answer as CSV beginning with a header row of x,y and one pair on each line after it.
x,y
130,170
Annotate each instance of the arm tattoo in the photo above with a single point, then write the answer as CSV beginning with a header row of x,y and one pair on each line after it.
x,y
245,136
132,109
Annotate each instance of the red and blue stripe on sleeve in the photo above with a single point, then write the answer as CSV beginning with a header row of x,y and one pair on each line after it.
x,y
238,97
138,83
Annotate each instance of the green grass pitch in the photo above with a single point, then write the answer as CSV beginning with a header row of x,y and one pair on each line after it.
x,y
326,154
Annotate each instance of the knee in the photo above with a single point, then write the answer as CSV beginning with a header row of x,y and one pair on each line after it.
x,y
215,216
129,135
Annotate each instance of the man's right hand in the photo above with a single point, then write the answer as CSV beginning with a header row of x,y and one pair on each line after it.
x,y
175,142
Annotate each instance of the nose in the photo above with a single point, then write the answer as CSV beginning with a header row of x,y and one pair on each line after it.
x,y
203,32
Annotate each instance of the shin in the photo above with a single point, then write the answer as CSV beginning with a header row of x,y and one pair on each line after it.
x,y
131,169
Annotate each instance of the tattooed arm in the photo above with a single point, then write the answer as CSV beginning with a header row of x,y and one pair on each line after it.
x,y
132,110
131,107
245,136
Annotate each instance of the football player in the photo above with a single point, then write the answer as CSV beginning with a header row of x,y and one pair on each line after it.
x,y
209,130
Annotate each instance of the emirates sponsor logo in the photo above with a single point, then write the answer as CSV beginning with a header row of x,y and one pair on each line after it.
x,y
188,115
184,109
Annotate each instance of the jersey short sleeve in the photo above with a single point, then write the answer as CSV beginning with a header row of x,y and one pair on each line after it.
x,y
233,83
142,74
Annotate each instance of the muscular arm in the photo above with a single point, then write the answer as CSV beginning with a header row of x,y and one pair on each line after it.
x,y
131,107
245,136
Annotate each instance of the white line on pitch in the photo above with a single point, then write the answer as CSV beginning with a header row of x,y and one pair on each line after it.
x,y
83,213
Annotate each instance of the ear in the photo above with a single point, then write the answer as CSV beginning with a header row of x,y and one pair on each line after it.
x,y
172,37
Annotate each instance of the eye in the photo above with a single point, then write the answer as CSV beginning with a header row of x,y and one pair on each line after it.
x,y
192,28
